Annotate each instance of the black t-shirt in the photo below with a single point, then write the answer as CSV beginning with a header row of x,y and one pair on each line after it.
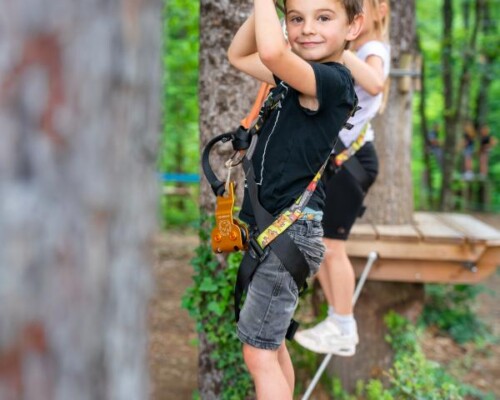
x,y
294,141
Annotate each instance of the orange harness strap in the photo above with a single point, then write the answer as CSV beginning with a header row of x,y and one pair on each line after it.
x,y
259,100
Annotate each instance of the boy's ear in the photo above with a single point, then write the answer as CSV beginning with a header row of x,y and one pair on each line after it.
x,y
355,27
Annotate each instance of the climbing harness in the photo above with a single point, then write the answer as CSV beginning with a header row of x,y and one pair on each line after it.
x,y
343,157
230,234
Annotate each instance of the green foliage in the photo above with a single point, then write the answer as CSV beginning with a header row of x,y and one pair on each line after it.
x,y
450,308
179,145
179,212
180,85
210,302
429,28
412,376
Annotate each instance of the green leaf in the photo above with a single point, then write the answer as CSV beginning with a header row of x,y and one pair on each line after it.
x,y
216,308
208,285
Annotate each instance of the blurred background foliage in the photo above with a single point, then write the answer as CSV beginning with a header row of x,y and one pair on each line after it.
x,y
179,146
180,152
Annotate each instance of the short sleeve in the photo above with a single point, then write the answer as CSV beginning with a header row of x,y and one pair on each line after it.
x,y
379,49
333,82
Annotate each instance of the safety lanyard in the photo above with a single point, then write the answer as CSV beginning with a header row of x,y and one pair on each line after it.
x,y
291,214
347,153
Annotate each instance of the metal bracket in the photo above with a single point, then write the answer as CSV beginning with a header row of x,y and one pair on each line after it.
x,y
470,266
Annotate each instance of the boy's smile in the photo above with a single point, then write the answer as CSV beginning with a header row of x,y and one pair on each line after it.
x,y
317,29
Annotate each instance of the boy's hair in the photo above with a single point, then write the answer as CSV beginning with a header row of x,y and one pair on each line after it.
x,y
352,8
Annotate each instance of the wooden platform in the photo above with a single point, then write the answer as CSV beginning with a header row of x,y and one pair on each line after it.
x,y
437,247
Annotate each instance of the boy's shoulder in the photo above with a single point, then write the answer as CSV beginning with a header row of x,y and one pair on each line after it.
x,y
333,71
334,88
332,76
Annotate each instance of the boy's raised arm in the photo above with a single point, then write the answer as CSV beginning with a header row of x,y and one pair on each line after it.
x,y
274,51
260,50
243,55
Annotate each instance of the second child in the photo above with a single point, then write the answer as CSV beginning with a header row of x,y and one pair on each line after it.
x,y
345,193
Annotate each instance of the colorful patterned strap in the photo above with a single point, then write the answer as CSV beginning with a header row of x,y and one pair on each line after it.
x,y
292,214
295,211
347,153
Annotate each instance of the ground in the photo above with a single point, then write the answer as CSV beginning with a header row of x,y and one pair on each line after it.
x,y
173,356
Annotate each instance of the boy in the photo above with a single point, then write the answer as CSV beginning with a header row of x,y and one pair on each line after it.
x,y
294,141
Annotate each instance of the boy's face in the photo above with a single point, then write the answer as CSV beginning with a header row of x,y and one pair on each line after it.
x,y
318,29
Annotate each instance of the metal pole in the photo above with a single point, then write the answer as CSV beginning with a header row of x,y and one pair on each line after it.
x,y
372,257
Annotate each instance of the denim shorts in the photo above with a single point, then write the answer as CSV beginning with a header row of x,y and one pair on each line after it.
x,y
272,295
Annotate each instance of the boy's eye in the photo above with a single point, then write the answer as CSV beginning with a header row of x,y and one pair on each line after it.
x,y
323,18
296,19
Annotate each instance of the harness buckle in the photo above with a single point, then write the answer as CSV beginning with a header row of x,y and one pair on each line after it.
x,y
256,251
292,328
241,139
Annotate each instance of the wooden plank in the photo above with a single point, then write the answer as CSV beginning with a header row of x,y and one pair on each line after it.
x,y
363,232
433,229
424,271
491,255
415,250
475,230
401,233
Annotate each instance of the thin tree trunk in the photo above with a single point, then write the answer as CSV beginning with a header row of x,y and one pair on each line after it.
x,y
456,108
450,141
424,129
79,110
225,95
488,56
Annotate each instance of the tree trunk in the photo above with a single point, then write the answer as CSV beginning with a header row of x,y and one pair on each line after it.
x,y
390,201
225,95
456,108
426,145
489,30
450,139
79,113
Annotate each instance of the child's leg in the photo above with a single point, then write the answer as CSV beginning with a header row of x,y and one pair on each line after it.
x,y
269,306
286,366
483,163
336,276
270,380
344,198
338,333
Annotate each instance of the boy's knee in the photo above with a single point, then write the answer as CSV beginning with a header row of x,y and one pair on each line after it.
x,y
335,248
258,359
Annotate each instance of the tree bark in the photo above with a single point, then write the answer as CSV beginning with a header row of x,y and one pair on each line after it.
x,y
391,198
390,201
79,110
225,95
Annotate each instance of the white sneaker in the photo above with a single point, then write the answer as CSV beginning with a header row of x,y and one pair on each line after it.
x,y
326,338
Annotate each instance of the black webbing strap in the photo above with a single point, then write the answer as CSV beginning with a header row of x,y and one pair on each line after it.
x,y
354,167
283,247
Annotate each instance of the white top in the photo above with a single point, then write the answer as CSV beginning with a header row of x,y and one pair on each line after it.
x,y
369,104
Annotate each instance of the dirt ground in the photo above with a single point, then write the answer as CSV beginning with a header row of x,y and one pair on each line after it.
x,y
173,356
